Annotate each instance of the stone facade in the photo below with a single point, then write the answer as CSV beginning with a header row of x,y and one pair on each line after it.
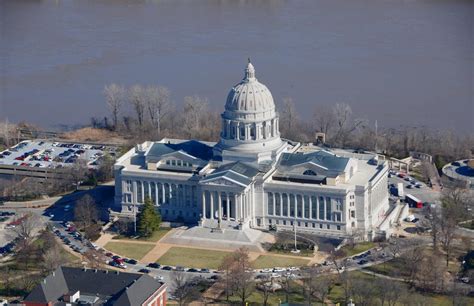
x,y
253,178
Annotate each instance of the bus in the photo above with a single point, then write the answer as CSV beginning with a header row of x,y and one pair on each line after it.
x,y
413,201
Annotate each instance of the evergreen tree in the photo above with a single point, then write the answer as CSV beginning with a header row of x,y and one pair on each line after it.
x,y
149,219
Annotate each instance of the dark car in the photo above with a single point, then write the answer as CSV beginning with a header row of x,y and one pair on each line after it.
x,y
193,270
154,265
144,271
204,270
115,257
131,261
362,262
167,268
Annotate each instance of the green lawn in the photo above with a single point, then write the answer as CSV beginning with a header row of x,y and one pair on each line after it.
x,y
358,248
393,267
195,258
129,250
270,261
153,238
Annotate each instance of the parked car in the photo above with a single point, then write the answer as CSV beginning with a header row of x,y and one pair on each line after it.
x,y
154,265
143,270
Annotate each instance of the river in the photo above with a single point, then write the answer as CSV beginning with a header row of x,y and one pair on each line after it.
x,y
400,62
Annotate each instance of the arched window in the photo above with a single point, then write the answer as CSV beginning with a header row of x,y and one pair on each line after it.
x,y
309,172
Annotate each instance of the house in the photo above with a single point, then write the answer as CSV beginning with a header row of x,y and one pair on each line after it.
x,y
82,286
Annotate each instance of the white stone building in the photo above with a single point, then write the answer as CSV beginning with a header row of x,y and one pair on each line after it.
x,y
253,178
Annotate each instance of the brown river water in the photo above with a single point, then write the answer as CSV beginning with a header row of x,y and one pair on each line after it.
x,y
400,62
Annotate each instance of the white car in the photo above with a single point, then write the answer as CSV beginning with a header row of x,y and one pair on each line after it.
x,y
293,269
266,271
278,269
275,275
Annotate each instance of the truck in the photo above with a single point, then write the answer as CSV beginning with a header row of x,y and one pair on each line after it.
x,y
413,201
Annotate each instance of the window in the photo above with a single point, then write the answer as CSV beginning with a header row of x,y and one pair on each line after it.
x,y
309,172
292,205
306,224
320,226
285,205
139,192
284,222
128,186
314,207
328,208
353,215
168,162
252,132
321,208
277,221
277,204
153,192
328,226
306,207
338,227
299,204
314,225
242,132
270,204
299,223
160,193
269,221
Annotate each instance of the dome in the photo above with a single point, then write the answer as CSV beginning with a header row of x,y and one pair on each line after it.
x,y
250,95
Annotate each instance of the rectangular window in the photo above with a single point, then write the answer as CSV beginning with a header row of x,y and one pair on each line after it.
x,y
306,207
328,226
270,204
314,225
320,226
277,204
139,192
306,224
353,214
338,227
292,205
321,208
314,207
269,221
328,208
299,205
284,222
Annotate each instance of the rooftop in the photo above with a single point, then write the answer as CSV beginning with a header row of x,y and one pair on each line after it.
x,y
106,287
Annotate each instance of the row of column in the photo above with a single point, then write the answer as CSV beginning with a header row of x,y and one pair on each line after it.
x,y
163,192
252,131
322,206
236,205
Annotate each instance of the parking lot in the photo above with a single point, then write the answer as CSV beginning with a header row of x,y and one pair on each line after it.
x,y
44,154
416,188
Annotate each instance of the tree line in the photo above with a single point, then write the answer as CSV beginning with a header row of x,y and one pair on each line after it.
x,y
149,113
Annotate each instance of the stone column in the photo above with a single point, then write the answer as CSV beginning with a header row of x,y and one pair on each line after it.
x,y
227,128
211,203
281,204
317,207
296,206
236,208
325,207
203,204
310,207
219,200
163,199
288,205
156,194
227,202
242,208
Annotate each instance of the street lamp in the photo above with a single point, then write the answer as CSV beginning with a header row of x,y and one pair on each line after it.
x,y
295,250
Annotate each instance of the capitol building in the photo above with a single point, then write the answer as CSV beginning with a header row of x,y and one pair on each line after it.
x,y
252,178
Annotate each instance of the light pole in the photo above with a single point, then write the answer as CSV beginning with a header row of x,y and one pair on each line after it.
x,y
295,250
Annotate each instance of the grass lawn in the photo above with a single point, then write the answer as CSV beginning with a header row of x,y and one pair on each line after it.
x,y
195,258
129,250
394,267
153,238
270,261
358,248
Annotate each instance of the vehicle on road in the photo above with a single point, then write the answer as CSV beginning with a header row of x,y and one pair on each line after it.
x,y
146,271
154,265
413,201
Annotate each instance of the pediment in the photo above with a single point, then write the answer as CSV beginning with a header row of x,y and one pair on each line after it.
x,y
222,181
179,155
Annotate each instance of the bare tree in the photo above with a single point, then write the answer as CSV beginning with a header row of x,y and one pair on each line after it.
x,y
184,290
227,265
288,117
266,286
388,291
137,98
323,120
53,257
412,260
85,211
309,283
114,96
241,274
25,229
158,104
345,125
194,108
